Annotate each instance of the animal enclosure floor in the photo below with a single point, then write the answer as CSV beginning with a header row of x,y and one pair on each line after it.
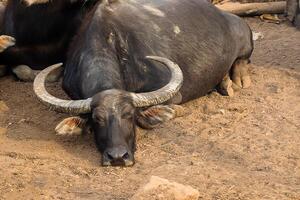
x,y
245,147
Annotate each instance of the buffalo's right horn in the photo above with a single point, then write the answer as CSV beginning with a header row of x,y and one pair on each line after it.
x,y
60,105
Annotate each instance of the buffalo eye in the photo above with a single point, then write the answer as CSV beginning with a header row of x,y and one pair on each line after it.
x,y
127,112
127,115
99,119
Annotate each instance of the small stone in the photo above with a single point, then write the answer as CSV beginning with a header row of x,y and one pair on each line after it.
x,y
268,99
257,36
222,111
22,121
269,134
3,107
162,189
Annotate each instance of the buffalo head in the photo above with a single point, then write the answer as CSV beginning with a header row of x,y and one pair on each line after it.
x,y
113,112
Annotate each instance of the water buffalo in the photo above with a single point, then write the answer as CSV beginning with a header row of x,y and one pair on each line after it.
x,y
115,86
37,33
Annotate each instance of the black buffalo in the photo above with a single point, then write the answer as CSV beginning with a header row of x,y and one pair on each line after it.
x,y
37,33
120,86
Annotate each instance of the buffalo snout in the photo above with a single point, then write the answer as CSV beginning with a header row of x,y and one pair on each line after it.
x,y
117,156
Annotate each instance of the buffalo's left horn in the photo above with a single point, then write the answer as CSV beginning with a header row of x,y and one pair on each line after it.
x,y
165,93
60,105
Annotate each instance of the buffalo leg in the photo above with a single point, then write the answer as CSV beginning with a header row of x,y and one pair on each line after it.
x,y
71,126
26,74
6,41
240,74
225,87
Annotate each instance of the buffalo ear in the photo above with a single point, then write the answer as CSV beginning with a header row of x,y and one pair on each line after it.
x,y
156,115
71,126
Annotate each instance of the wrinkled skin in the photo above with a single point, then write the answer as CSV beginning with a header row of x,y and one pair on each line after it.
x,y
106,61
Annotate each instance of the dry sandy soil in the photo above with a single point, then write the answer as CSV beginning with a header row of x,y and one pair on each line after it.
x,y
245,147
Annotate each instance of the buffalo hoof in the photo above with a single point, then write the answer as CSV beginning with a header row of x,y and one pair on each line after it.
x,y
72,126
26,74
225,87
6,41
240,74
3,70
54,75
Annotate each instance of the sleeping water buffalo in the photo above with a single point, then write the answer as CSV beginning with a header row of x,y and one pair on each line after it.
x,y
37,33
119,71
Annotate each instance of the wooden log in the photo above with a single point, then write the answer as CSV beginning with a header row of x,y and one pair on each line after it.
x,y
251,9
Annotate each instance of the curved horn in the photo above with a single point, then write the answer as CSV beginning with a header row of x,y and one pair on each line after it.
x,y
165,93
60,105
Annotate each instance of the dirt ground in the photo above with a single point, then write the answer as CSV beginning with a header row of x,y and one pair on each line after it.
x,y
245,147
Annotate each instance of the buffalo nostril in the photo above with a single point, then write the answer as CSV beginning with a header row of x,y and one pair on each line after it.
x,y
117,154
110,157
117,157
126,156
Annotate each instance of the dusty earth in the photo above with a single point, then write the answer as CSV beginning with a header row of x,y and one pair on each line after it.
x,y
245,147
